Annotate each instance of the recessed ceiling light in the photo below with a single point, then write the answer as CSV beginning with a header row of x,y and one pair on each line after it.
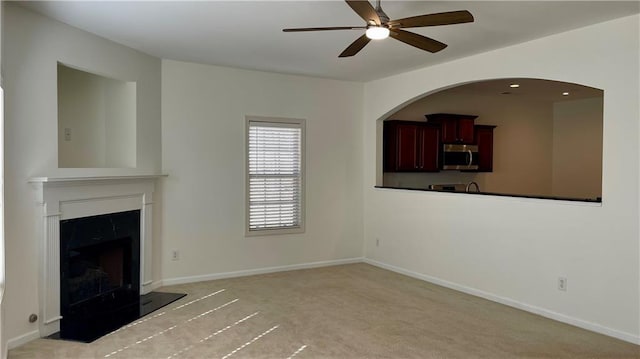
x,y
565,93
514,86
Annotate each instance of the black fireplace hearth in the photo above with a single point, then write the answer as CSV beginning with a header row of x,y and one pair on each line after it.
x,y
89,324
100,276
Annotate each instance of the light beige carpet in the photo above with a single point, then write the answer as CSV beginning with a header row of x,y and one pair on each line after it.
x,y
350,311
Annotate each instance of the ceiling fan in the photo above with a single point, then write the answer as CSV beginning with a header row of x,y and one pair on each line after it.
x,y
379,26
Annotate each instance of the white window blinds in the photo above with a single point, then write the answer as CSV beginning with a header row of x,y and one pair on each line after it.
x,y
275,175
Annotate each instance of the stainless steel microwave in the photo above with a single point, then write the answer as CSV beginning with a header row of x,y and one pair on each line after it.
x,y
459,157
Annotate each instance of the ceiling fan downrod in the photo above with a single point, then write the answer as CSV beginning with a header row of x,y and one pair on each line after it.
x,y
384,19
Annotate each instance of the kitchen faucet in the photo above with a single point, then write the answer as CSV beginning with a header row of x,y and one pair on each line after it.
x,y
472,183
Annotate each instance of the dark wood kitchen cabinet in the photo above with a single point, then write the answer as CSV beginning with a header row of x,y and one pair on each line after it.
x,y
455,128
410,146
484,140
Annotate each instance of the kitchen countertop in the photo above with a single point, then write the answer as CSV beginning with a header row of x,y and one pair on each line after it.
x,y
590,200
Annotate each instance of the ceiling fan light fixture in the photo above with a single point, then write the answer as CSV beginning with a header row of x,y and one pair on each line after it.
x,y
377,32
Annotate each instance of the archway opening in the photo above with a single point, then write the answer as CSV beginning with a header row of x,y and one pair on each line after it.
x,y
515,136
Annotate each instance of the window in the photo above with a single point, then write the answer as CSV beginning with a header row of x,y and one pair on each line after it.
x,y
275,176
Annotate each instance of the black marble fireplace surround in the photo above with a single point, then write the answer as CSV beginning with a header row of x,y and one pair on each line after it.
x,y
100,276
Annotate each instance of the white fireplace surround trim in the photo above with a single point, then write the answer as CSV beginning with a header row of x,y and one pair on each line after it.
x,y
75,197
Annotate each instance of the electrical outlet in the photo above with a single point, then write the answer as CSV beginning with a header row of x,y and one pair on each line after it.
x,y
377,242
175,255
67,134
562,284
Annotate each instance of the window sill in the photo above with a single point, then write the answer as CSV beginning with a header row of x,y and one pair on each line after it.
x,y
273,232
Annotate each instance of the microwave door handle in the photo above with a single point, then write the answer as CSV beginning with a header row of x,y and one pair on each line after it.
x,y
470,157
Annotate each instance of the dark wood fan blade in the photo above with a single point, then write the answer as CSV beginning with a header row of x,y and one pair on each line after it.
x,y
355,46
364,9
324,28
443,18
419,41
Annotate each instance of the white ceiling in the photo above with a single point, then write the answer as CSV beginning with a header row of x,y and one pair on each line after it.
x,y
248,34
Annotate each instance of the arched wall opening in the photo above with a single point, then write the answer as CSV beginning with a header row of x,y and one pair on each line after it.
x,y
547,141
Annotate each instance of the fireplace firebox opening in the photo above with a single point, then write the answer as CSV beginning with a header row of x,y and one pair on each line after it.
x,y
99,273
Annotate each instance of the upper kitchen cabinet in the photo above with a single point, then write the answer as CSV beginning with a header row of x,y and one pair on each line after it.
x,y
411,147
455,128
484,140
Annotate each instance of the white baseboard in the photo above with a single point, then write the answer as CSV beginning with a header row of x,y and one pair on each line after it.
x,y
248,272
23,339
156,284
150,286
627,337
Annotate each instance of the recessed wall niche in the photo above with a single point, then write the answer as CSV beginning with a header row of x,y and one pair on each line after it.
x,y
96,120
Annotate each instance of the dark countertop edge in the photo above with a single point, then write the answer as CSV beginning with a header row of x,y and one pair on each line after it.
x,y
587,200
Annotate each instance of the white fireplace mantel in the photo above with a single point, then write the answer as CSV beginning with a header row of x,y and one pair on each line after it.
x,y
74,197
58,179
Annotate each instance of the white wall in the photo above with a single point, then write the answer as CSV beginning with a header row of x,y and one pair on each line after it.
x,y
522,141
120,129
203,142
577,148
33,45
510,249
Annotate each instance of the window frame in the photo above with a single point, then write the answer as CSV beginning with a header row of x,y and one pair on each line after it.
x,y
291,122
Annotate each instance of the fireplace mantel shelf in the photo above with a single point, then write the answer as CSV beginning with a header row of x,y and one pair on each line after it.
x,y
52,179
